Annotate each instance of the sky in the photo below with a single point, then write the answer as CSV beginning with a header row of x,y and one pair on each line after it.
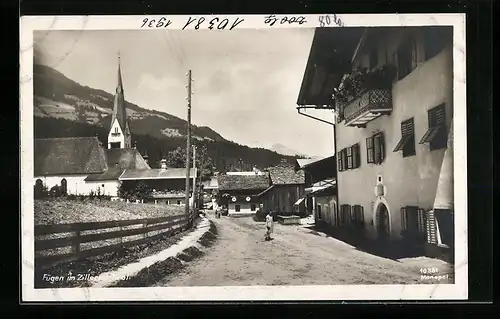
x,y
245,82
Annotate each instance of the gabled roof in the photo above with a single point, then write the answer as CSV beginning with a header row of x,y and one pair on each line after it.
x,y
157,173
243,182
286,175
118,160
70,155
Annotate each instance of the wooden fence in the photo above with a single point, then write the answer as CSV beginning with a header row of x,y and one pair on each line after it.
x,y
173,224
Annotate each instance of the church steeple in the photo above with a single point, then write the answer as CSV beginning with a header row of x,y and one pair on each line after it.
x,y
119,134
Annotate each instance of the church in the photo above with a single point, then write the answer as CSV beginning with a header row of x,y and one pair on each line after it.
x,y
81,165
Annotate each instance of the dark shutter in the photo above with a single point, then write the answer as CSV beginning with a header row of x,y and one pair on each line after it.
x,y
340,161
381,140
369,149
431,228
403,219
349,209
349,157
362,214
421,221
356,156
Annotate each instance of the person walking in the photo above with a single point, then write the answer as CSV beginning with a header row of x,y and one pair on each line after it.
x,y
269,225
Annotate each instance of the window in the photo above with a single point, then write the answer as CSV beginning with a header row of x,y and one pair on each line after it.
x,y
342,161
167,202
349,157
407,141
237,208
319,211
373,56
253,207
356,156
413,222
436,135
178,202
116,130
357,217
369,150
407,57
115,145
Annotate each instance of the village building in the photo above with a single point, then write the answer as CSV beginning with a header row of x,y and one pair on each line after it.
x,y
239,192
286,194
321,189
82,165
167,184
391,90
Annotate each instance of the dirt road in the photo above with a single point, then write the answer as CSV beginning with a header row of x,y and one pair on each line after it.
x,y
296,256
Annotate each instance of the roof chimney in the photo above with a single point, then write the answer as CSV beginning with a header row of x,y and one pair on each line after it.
x,y
163,163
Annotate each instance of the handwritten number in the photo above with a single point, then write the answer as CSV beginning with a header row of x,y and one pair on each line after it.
x,y
321,21
200,21
222,25
144,22
327,20
212,22
270,19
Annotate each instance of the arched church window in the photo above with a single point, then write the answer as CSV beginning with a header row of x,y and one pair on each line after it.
x,y
116,130
64,186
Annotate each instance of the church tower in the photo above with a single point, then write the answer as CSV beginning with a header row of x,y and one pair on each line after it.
x,y
119,134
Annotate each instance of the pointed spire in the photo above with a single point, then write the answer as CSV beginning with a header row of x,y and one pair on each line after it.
x,y
120,84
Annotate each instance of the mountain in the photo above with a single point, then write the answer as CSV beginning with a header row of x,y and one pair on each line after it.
x,y
282,149
64,108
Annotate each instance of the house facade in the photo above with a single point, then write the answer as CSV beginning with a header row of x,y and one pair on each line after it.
x,y
286,193
393,102
167,184
321,189
240,192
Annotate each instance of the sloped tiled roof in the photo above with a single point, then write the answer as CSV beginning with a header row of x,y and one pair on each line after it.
x,y
70,155
286,175
156,173
118,160
243,182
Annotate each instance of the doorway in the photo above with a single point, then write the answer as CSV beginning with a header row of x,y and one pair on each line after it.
x,y
383,223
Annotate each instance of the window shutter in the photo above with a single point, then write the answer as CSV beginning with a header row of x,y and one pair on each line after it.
x,y
362,214
349,210
421,220
340,161
431,228
376,149
381,139
403,219
369,149
357,155
440,115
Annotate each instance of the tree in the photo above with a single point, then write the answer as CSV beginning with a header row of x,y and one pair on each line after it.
x,y
134,190
204,163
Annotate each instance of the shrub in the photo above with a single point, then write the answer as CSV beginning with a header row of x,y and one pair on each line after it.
x,y
134,191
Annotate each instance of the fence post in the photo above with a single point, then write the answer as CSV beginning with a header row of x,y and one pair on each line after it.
x,y
75,248
121,237
145,235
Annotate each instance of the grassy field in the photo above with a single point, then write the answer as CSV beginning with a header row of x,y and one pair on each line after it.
x,y
57,211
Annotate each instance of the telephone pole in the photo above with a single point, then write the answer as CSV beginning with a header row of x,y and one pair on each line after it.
x,y
188,145
194,178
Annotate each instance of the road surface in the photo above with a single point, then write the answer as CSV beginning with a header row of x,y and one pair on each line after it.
x,y
296,256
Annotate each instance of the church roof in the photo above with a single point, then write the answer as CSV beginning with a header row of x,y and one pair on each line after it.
x,y
156,173
71,155
118,160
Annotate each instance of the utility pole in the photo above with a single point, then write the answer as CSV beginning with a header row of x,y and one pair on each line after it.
x,y
194,178
188,145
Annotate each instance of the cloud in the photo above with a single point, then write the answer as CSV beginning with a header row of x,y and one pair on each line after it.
x,y
153,83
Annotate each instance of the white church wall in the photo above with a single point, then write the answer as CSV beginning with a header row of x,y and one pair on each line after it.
x,y
76,184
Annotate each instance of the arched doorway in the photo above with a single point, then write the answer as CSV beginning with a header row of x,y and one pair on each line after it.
x,y
383,223
64,187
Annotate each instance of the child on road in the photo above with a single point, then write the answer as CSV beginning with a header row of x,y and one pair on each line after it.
x,y
269,225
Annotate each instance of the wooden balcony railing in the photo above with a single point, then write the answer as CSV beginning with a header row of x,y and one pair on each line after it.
x,y
367,106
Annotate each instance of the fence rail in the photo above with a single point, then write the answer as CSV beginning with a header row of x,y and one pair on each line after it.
x,y
174,224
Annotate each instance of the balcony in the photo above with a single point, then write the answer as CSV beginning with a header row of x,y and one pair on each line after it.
x,y
367,106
